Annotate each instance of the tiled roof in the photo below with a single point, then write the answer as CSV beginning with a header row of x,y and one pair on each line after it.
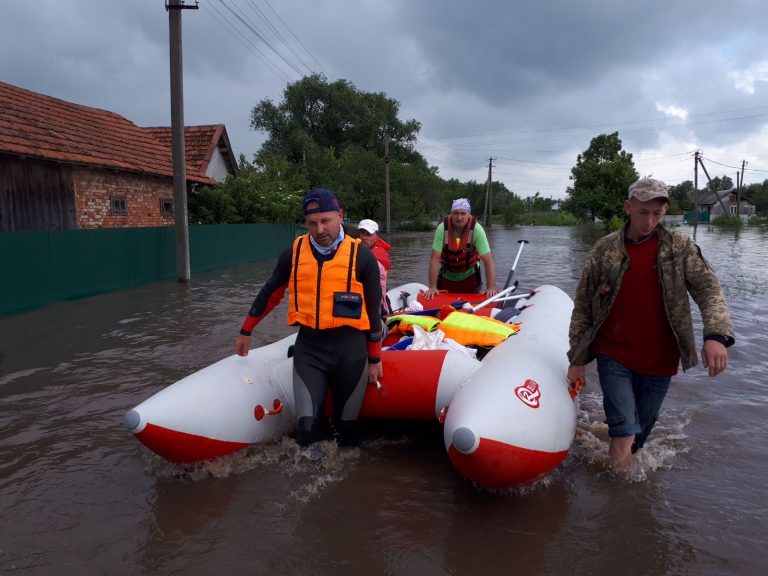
x,y
35,125
199,144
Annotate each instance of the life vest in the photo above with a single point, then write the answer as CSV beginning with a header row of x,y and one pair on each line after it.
x,y
473,330
466,329
403,322
327,296
465,256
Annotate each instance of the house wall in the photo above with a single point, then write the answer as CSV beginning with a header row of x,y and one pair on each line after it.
x,y
35,195
143,195
217,168
745,208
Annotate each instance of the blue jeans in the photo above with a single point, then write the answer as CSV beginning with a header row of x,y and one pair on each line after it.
x,y
631,401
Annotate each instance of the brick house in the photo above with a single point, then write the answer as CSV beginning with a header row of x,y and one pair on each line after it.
x,y
67,166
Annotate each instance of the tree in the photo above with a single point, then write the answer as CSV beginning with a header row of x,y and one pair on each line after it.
x,y
335,133
681,197
758,194
601,177
269,190
720,183
316,115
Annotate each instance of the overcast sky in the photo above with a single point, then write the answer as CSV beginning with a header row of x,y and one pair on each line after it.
x,y
527,83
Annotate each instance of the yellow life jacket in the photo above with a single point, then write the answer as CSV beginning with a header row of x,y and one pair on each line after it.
x,y
327,296
406,320
472,330
466,329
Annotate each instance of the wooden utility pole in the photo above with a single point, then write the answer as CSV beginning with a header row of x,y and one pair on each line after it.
x,y
739,187
488,196
386,173
174,8
695,192
726,213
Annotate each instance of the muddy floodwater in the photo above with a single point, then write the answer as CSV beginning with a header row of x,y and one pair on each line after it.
x,y
79,495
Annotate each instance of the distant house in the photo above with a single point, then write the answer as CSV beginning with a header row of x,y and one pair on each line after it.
x,y
717,203
67,166
206,149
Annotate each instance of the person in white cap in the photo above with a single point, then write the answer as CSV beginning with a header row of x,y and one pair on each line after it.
x,y
369,235
632,313
460,244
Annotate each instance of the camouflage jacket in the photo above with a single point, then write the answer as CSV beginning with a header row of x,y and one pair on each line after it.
x,y
681,269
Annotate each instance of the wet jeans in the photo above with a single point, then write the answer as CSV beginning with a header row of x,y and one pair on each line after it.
x,y
631,401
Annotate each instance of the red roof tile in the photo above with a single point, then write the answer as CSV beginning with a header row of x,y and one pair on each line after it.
x,y
199,144
32,124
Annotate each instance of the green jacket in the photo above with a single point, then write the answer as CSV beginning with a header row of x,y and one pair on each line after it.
x,y
682,270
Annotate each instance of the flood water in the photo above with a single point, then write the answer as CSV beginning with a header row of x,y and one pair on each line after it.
x,y
79,495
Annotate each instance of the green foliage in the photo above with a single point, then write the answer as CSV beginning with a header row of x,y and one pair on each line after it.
x,y
316,115
615,223
330,134
718,183
681,197
601,177
513,210
727,222
758,194
547,218
268,191
212,206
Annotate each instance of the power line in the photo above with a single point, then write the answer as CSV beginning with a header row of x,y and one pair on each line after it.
x,y
232,29
278,35
258,34
296,38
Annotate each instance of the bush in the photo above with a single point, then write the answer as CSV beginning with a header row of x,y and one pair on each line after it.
x,y
727,222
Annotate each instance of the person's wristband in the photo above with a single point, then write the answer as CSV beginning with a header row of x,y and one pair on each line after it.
x,y
725,340
244,332
374,352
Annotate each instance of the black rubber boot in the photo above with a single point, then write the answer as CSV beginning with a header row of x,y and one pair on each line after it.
x,y
308,431
349,433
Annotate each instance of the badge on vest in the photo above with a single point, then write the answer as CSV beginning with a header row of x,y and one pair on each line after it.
x,y
347,305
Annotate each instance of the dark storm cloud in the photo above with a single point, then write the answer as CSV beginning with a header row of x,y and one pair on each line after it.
x,y
529,83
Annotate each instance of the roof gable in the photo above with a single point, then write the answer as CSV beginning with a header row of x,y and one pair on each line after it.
x,y
711,198
200,142
35,125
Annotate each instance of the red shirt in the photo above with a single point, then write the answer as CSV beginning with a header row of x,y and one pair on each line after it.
x,y
637,333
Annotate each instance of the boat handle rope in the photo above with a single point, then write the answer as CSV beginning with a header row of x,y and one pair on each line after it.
x,y
260,412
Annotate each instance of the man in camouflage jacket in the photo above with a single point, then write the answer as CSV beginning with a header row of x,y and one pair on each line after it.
x,y
653,310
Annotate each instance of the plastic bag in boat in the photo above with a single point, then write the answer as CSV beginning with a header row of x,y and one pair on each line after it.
x,y
436,340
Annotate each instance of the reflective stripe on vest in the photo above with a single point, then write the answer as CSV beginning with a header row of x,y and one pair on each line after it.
x,y
312,286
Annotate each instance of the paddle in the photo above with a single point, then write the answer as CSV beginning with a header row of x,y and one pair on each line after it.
x,y
514,265
492,299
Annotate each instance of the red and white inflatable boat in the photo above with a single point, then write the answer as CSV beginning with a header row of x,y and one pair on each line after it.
x,y
508,419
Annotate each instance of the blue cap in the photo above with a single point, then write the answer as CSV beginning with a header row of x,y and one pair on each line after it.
x,y
326,201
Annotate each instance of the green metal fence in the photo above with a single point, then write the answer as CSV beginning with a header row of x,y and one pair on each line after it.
x,y
42,267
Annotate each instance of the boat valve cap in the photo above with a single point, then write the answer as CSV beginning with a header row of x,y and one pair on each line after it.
x,y
131,419
464,439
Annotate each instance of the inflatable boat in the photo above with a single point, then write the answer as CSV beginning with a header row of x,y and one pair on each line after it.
x,y
509,419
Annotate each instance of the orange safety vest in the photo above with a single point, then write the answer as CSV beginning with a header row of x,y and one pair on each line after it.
x,y
464,256
327,296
